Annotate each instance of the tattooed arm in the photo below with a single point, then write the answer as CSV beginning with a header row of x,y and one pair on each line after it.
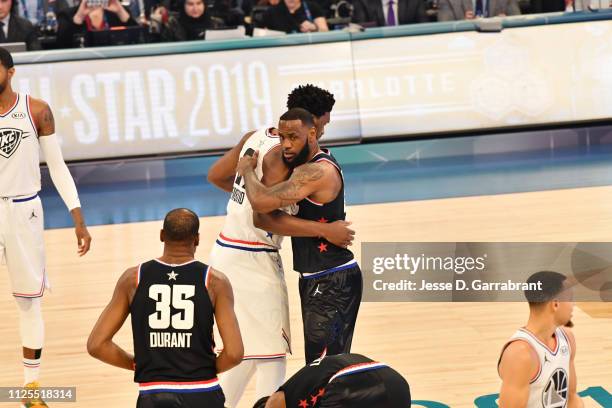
x,y
45,120
304,181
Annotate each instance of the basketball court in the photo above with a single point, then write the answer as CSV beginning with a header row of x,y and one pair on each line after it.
x,y
447,351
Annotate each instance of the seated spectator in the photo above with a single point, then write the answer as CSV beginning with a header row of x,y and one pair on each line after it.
x,y
228,12
36,11
90,17
16,29
449,10
191,24
141,10
382,13
295,16
247,6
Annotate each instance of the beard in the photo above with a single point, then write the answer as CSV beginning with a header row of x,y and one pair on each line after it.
x,y
299,159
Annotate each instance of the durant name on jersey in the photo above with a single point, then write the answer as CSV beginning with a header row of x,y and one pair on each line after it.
x,y
169,339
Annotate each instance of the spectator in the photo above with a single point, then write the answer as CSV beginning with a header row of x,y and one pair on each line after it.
x,y
36,11
247,6
191,24
295,16
389,12
140,10
16,29
449,10
90,17
228,12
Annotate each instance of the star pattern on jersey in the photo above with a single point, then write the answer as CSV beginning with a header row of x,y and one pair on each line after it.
x,y
322,247
322,219
172,275
315,398
303,404
269,234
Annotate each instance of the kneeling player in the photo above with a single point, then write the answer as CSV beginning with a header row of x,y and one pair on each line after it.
x,y
343,380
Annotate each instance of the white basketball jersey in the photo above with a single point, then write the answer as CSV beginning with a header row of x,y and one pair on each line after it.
x,y
550,388
19,151
239,221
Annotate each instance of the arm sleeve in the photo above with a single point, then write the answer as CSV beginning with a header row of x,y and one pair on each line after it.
x,y
62,179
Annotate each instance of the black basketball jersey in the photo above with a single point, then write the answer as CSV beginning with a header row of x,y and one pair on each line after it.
x,y
308,385
172,325
317,254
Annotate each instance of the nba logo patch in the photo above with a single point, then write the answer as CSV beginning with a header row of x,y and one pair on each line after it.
x,y
9,141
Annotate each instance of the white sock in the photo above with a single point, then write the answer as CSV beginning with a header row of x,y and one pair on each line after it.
x,y
270,376
31,369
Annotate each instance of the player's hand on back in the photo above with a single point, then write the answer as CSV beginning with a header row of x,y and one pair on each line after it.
x,y
247,162
339,233
83,239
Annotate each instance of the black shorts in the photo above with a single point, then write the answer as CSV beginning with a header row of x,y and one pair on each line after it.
x,y
330,304
212,399
380,388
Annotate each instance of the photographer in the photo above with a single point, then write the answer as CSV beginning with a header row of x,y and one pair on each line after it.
x,y
91,15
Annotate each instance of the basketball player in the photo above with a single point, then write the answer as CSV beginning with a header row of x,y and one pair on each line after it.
x,y
172,301
537,364
26,127
331,282
315,100
344,380
250,258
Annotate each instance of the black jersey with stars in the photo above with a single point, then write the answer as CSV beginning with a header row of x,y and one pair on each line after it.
x,y
308,386
317,254
172,323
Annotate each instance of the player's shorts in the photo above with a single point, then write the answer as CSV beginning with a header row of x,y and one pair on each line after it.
x,y
260,299
22,244
208,399
330,303
380,388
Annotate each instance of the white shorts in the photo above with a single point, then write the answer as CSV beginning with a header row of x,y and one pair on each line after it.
x,y
22,244
260,300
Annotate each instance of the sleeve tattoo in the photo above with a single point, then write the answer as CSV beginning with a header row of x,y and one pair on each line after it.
x,y
289,192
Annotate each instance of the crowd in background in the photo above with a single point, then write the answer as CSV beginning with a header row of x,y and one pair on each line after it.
x,y
51,24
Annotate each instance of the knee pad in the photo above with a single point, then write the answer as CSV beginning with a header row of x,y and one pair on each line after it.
x,y
31,322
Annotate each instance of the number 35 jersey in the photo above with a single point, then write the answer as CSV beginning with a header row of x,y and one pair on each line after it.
x,y
172,325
